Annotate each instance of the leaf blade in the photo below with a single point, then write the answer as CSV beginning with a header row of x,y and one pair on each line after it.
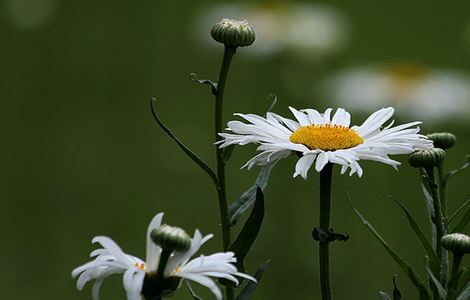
x,y
249,232
414,277
434,261
250,287
194,157
239,206
440,289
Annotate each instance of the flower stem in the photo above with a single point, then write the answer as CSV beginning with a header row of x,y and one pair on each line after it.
x,y
221,189
438,222
443,199
454,281
325,205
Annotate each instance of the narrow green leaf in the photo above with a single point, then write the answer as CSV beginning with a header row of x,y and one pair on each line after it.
x,y
463,222
414,277
249,232
191,291
459,210
227,152
213,85
465,294
384,296
440,289
396,291
434,261
464,279
456,171
273,99
182,146
239,206
250,287
430,206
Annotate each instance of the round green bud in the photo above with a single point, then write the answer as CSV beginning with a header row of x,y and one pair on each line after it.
x,y
426,158
457,243
443,140
233,33
171,238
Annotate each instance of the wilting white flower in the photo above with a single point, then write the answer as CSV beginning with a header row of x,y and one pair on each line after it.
x,y
431,95
310,30
322,138
111,259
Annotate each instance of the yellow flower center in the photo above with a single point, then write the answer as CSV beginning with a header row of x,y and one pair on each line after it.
x,y
140,266
326,137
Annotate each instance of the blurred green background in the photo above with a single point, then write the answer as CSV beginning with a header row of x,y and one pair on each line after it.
x,y
81,155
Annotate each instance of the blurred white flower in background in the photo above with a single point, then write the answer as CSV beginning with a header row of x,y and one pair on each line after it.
x,y
309,30
29,14
415,91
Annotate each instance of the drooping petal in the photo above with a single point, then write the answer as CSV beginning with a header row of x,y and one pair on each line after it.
x,y
153,251
303,165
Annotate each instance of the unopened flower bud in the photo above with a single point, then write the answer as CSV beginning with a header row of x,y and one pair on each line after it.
x,y
457,243
426,158
233,33
171,238
443,140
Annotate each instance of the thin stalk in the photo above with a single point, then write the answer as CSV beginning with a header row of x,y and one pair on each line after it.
x,y
443,199
221,189
438,221
453,282
325,207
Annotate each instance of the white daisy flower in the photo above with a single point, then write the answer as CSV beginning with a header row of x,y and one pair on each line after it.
x,y
111,259
323,138
432,94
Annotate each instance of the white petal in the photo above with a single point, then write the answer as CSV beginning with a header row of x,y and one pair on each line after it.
x,y
300,116
205,281
322,160
153,251
303,165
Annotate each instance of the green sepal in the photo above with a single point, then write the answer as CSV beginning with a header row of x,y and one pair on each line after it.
x,y
239,206
250,287
440,289
249,232
414,277
434,261
191,291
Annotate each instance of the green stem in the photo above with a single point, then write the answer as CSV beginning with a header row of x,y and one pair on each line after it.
x,y
438,221
443,199
221,189
454,282
442,191
325,207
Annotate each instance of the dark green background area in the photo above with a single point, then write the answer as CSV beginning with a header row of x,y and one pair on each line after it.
x,y
81,156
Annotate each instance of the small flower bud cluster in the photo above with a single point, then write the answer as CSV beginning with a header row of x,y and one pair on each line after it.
x,y
427,158
443,140
457,243
171,238
233,33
